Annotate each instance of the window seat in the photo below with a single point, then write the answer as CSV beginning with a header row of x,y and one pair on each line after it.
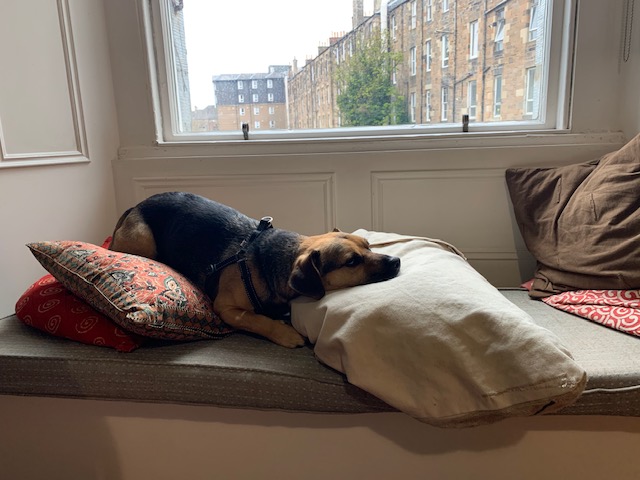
x,y
241,371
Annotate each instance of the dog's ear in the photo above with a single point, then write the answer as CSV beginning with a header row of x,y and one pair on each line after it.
x,y
305,277
337,230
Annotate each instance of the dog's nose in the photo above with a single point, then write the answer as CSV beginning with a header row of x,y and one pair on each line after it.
x,y
394,264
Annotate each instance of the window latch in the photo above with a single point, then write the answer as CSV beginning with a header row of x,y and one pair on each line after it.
x,y
245,131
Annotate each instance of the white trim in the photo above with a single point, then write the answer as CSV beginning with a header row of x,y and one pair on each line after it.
x,y
81,154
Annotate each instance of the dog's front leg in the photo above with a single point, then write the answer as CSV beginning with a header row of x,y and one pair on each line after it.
x,y
275,330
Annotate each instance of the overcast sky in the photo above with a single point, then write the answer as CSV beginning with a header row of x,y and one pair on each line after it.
x,y
225,36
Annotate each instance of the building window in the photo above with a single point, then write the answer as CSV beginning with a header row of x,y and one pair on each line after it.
x,y
256,125
444,103
473,39
414,14
272,124
241,110
412,61
254,84
427,55
445,5
241,98
394,73
269,83
255,98
256,110
497,95
445,51
394,27
498,41
429,10
472,103
427,106
240,84
269,97
412,107
272,110
533,22
530,91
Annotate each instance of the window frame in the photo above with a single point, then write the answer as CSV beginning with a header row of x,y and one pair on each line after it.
x,y
472,106
444,50
413,61
428,55
555,111
473,39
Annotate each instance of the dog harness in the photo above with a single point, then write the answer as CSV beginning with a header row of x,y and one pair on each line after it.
x,y
241,259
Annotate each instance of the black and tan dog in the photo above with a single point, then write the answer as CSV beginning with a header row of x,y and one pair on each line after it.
x,y
250,270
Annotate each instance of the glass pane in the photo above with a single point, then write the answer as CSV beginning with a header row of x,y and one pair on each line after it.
x,y
354,63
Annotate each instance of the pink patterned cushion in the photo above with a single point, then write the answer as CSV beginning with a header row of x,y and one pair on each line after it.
x,y
140,295
618,309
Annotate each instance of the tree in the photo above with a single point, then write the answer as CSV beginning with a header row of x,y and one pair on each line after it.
x,y
367,95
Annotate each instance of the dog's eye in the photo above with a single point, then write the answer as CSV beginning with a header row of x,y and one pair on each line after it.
x,y
353,261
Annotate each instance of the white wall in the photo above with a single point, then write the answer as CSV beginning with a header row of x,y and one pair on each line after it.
x,y
72,201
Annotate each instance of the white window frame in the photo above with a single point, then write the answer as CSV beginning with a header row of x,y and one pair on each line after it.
x,y
413,55
256,110
254,84
444,103
240,98
269,83
497,96
255,98
445,5
427,55
554,84
272,110
412,107
500,23
240,85
241,111
472,99
429,10
414,14
394,27
530,91
533,23
270,97
444,44
473,39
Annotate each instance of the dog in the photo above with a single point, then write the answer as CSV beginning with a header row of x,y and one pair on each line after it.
x,y
249,269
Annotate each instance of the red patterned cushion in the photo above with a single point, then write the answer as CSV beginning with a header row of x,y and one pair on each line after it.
x,y
141,295
619,309
48,306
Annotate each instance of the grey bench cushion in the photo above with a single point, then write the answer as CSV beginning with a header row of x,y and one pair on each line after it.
x,y
246,372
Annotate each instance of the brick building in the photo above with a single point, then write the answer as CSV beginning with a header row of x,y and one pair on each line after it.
x,y
476,57
258,99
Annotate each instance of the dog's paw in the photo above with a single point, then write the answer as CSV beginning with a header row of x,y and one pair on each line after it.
x,y
286,336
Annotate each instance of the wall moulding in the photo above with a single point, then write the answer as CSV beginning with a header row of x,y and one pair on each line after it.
x,y
35,101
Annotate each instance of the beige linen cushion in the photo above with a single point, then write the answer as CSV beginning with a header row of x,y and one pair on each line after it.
x,y
439,342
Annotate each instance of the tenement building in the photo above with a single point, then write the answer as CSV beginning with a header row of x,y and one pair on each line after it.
x,y
257,99
482,58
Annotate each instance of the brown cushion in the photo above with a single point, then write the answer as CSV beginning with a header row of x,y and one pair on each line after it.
x,y
581,222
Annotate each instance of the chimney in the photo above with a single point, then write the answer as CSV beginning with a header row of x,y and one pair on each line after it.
x,y
358,13
295,65
376,5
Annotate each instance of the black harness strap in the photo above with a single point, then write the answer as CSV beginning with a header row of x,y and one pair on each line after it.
x,y
241,259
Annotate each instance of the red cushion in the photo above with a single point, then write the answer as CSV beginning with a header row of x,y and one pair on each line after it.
x,y
48,306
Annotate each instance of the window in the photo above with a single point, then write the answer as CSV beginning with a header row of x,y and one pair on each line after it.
x,y
412,107
498,41
272,124
530,91
427,106
473,39
256,110
497,95
444,103
533,22
472,106
241,111
414,14
445,51
310,90
412,61
272,110
256,125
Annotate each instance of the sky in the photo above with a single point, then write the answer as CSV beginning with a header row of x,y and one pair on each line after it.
x,y
227,36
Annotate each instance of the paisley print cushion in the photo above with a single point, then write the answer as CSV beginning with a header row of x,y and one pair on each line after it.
x,y
48,306
140,295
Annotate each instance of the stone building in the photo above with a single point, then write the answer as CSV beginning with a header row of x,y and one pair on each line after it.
x,y
257,99
476,57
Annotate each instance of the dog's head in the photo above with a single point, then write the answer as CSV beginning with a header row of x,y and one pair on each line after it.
x,y
337,260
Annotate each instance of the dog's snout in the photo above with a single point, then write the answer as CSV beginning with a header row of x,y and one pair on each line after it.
x,y
394,264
